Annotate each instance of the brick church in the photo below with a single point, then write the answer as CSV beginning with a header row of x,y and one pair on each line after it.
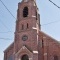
x,y
30,43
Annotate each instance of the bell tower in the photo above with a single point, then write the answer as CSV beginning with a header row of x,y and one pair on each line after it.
x,y
27,15
25,44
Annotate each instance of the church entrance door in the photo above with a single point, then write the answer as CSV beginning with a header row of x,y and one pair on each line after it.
x,y
25,57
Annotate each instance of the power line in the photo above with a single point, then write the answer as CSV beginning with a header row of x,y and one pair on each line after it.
x,y
54,4
15,18
53,21
5,38
9,12
4,24
7,9
7,32
50,23
41,25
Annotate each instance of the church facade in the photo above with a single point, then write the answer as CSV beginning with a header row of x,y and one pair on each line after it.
x,y
30,43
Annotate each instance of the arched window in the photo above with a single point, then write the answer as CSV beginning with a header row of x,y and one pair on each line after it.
x,y
25,12
22,27
36,15
27,26
42,43
25,57
55,57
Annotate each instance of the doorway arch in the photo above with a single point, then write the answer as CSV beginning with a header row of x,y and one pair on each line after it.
x,y
55,57
25,57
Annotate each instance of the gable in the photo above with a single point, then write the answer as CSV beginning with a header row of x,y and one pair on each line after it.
x,y
10,47
24,49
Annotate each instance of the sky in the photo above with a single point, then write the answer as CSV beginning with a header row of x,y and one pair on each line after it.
x,y
49,20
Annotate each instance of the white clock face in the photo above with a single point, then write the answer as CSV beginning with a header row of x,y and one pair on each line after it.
x,y
25,0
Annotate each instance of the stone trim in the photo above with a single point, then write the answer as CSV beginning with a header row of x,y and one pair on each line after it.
x,y
35,52
45,54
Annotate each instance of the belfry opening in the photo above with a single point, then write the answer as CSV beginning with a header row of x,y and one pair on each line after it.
x,y
25,12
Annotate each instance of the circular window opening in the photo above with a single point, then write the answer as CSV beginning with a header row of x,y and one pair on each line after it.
x,y
24,37
25,57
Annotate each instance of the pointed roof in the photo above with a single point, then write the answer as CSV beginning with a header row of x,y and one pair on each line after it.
x,y
24,49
